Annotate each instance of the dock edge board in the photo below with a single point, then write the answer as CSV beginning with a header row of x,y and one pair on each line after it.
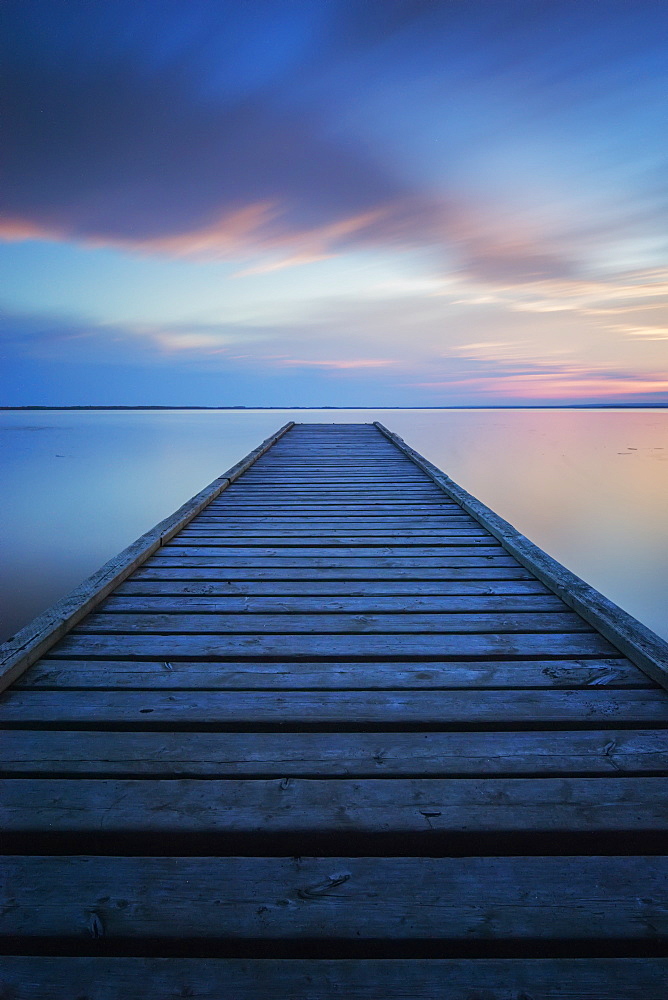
x,y
639,643
34,639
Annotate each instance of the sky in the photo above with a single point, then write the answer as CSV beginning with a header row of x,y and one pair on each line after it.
x,y
334,202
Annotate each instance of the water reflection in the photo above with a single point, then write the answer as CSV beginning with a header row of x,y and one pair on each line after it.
x,y
589,486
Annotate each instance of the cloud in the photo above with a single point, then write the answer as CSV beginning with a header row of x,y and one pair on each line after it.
x,y
515,369
70,339
642,332
199,155
569,382
341,363
108,151
615,295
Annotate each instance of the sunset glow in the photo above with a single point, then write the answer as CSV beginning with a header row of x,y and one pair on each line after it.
x,y
283,202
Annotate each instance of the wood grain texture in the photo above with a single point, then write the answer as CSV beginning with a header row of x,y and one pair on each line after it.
x,y
434,542
101,978
405,588
224,535
348,571
364,508
185,624
425,709
568,753
341,561
360,646
295,675
257,554
356,526
456,899
323,604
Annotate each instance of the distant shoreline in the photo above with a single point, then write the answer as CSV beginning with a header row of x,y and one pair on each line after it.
x,y
515,406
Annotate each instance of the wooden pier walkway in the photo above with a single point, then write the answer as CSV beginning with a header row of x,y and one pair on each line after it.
x,y
334,729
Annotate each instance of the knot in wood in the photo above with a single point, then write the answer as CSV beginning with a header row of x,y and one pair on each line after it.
x,y
322,888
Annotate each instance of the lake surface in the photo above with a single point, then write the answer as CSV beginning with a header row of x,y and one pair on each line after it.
x,y
589,486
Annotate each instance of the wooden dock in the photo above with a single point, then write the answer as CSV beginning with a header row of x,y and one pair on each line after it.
x,y
334,729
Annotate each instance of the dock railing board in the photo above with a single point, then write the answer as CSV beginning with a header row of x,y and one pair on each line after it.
x,y
334,729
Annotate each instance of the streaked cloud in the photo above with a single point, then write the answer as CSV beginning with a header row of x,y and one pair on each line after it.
x,y
344,364
437,201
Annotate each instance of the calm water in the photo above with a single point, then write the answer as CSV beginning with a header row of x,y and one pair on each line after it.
x,y
589,486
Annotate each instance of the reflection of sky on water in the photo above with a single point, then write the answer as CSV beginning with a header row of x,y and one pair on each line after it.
x,y
589,486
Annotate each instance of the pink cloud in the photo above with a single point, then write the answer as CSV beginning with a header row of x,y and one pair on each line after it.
x,y
573,382
257,229
15,230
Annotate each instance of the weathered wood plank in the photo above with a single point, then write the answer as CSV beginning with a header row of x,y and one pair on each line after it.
x,y
340,522
401,471
385,486
337,465
165,558
322,477
358,490
319,537
247,495
452,517
370,472
356,646
287,574
337,507
295,527
425,709
377,445
411,574
324,515
411,807
355,454
470,548
187,604
406,588
395,501
57,753
185,624
240,539
53,672
338,446
456,899
381,468
101,978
